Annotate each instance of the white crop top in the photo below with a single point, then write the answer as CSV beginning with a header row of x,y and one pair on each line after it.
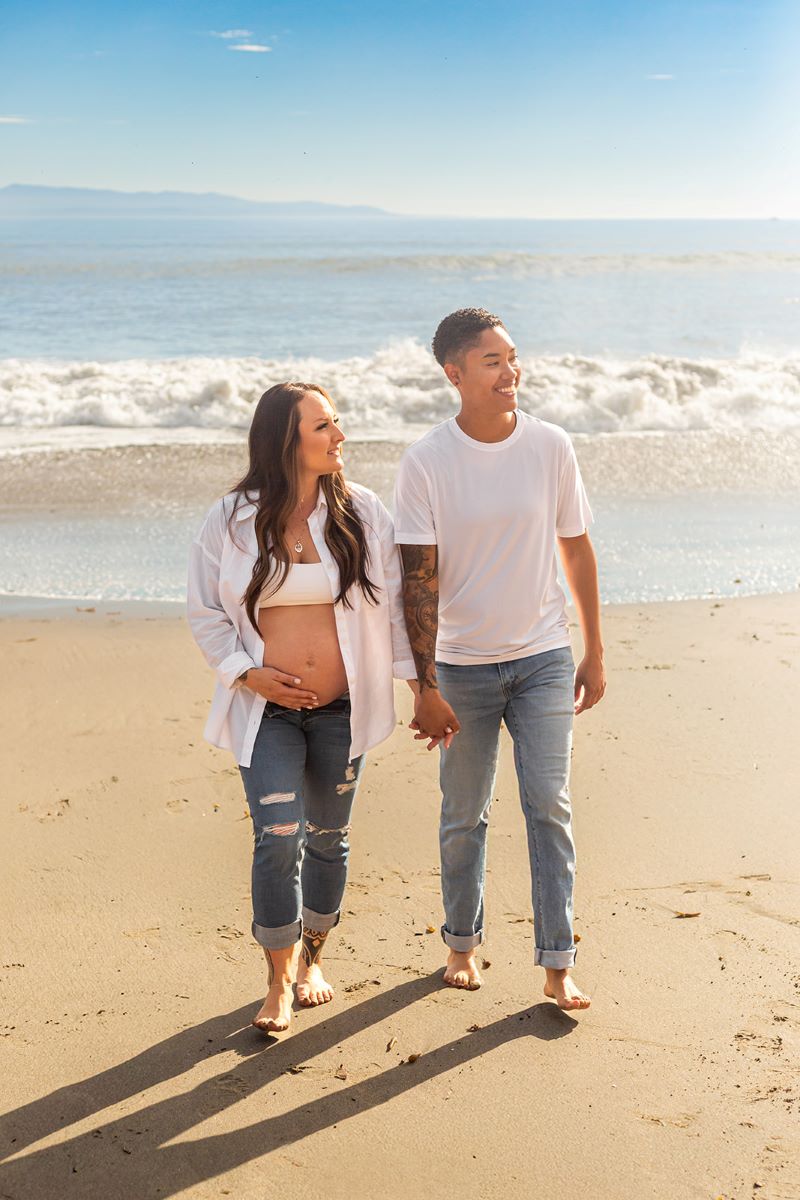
x,y
306,583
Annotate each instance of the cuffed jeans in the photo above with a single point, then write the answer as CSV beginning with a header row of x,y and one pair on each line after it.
x,y
300,788
535,698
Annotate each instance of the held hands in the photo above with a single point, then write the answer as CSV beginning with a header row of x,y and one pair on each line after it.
x,y
434,719
590,682
280,688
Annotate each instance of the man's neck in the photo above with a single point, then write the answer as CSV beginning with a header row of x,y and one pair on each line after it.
x,y
482,427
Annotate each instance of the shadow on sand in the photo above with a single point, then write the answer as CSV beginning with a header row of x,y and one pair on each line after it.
x,y
128,1157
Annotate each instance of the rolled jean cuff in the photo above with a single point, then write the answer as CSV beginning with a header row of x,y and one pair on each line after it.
x,y
461,943
321,922
557,960
278,937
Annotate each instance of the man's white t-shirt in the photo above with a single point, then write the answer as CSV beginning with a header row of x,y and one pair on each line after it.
x,y
494,510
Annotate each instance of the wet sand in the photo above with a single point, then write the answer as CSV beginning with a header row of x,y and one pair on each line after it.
x,y
187,478
129,976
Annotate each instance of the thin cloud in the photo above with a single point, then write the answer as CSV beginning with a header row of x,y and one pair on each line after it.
x,y
15,121
659,76
252,48
231,33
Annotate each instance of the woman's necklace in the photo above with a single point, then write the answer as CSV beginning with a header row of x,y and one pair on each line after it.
x,y
298,546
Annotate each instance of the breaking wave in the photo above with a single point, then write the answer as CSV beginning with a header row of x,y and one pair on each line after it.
x,y
399,390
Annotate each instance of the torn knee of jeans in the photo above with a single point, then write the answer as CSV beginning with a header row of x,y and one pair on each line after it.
x,y
350,781
287,829
277,798
317,830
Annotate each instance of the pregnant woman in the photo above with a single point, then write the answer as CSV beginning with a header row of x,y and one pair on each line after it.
x,y
295,601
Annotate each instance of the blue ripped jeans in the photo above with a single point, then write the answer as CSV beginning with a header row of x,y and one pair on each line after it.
x,y
534,696
300,788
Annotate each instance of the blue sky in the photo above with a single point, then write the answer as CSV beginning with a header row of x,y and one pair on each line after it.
x,y
561,109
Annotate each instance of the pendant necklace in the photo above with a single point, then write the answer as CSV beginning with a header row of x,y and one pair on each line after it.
x,y
298,546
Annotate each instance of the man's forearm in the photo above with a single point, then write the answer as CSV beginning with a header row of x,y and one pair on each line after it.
x,y
580,568
421,607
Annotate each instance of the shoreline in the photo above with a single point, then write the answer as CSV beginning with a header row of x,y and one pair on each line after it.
x,y
648,463
675,517
31,607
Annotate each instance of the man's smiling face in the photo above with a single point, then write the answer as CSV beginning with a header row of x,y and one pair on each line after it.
x,y
487,374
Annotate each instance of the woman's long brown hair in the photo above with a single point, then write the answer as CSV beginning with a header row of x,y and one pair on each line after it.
x,y
273,474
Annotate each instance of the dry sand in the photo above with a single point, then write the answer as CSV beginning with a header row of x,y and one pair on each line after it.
x,y
129,976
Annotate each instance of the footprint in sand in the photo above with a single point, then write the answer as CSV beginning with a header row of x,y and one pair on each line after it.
x,y
227,931
232,1084
679,1121
764,1044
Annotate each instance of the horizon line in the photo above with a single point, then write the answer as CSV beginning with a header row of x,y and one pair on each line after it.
x,y
383,212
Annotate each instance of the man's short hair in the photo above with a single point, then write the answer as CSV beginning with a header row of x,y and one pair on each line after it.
x,y
460,331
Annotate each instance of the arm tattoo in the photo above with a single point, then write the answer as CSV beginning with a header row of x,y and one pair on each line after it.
x,y
421,605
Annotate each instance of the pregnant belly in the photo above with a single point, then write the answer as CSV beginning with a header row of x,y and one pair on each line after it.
x,y
302,641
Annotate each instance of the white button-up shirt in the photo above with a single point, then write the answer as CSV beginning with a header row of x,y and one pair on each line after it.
x,y
372,637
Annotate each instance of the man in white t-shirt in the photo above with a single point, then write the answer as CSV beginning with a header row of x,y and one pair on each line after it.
x,y
482,502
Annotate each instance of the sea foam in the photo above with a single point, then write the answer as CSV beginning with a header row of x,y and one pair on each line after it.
x,y
400,390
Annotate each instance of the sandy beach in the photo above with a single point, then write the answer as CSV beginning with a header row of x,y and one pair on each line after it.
x,y
129,976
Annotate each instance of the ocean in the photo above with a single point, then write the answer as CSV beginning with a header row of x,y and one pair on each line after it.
x,y
669,350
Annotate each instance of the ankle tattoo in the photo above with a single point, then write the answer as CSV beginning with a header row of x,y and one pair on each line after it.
x,y
312,946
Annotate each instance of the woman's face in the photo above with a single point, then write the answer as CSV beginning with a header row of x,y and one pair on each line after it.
x,y
319,436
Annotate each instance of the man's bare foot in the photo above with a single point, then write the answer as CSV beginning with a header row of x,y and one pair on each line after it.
x,y
275,1013
462,971
562,988
312,988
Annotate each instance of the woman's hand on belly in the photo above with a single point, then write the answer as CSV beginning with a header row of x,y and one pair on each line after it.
x,y
280,688
304,641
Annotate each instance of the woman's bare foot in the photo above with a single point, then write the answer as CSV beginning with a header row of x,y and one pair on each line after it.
x,y
312,988
275,1013
562,988
462,971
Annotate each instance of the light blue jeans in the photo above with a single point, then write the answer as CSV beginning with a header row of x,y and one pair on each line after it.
x,y
300,788
535,698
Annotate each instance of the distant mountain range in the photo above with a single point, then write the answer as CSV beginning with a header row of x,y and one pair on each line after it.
x,y
30,200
